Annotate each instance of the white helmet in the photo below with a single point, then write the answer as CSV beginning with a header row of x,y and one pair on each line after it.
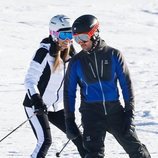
x,y
59,23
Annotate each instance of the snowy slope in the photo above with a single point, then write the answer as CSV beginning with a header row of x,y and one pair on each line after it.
x,y
131,26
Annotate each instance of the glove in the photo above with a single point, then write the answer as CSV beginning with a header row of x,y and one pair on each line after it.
x,y
72,130
128,122
40,107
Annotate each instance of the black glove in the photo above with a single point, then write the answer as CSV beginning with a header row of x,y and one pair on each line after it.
x,y
72,130
40,107
128,122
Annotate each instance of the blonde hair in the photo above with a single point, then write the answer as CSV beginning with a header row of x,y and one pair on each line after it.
x,y
60,57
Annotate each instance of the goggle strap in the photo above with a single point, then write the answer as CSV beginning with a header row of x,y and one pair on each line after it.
x,y
91,32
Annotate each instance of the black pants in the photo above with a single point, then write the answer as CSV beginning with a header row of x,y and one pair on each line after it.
x,y
41,128
96,124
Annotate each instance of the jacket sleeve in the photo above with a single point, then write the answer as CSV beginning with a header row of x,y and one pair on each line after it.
x,y
70,86
124,78
35,70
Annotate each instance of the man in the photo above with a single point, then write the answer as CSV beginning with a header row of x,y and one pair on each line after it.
x,y
96,69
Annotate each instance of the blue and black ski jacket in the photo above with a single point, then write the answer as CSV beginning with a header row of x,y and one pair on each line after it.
x,y
97,74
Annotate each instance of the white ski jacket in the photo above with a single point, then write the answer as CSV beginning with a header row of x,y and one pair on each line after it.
x,y
40,78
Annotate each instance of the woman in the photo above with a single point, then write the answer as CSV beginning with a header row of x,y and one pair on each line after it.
x,y
43,82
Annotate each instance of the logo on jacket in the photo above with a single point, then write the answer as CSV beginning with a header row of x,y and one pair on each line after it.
x,y
88,138
106,62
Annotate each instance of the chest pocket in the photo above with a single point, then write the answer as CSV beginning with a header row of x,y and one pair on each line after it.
x,y
97,66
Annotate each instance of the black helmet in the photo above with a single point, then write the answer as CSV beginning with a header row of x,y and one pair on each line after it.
x,y
85,24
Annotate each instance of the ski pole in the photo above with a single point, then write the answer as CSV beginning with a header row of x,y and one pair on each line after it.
x,y
58,153
16,128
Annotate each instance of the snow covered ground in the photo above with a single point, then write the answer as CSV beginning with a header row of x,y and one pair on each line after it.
x,y
131,26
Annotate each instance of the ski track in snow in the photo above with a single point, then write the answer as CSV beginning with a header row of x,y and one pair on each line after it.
x,y
130,26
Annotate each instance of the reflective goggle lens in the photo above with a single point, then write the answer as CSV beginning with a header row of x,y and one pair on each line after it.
x,y
81,38
65,35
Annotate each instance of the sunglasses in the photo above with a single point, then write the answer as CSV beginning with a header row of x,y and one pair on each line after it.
x,y
62,35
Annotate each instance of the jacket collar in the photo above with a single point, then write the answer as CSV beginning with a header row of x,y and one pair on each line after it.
x,y
99,46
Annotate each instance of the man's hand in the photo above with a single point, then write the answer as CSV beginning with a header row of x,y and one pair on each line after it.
x,y
72,130
128,122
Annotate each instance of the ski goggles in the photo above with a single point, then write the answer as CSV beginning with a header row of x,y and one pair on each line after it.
x,y
65,35
62,35
81,37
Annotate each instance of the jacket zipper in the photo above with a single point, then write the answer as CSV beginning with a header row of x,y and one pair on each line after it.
x,y
102,68
62,81
100,84
86,86
92,70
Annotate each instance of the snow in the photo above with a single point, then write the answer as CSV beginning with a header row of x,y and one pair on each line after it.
x,y
130,26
